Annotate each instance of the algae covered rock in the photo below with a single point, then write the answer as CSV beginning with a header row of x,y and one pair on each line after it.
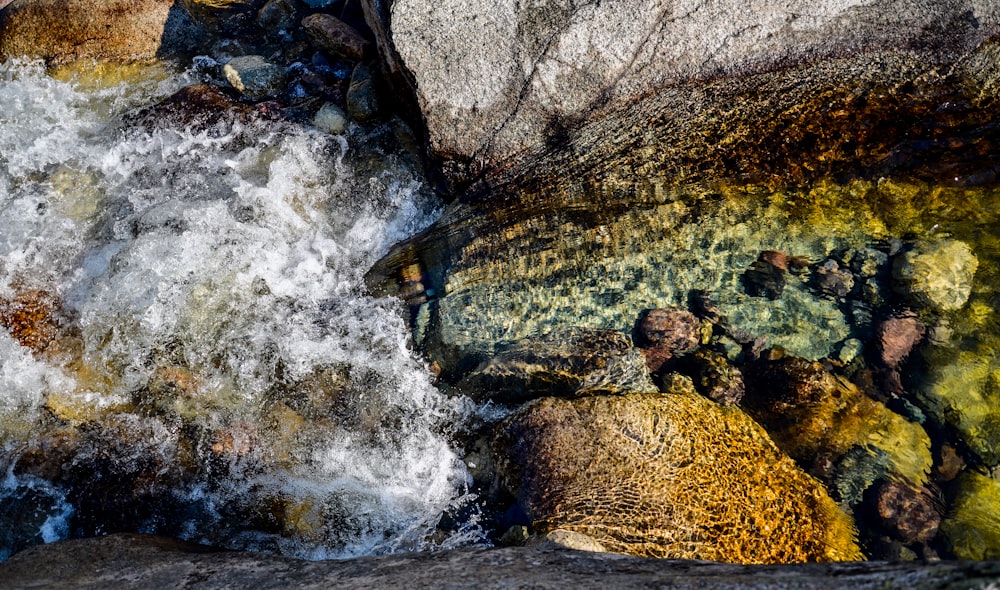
x,y
572,362
811,413
962,390
973,526
937,274
672,476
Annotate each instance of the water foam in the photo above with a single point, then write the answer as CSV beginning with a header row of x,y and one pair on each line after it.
x,y
214,281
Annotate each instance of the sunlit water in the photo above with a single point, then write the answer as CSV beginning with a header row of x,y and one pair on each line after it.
x,y
215,368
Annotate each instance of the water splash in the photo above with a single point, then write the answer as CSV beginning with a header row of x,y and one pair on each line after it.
x,y
217,357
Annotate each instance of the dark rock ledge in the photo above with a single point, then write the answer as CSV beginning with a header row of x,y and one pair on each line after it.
x,y
137,561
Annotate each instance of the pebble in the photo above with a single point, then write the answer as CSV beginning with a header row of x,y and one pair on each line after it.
x,y
336,37
831,280
362,101
897,336
331,118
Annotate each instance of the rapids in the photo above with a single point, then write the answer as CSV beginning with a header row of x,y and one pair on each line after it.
x,y
210,364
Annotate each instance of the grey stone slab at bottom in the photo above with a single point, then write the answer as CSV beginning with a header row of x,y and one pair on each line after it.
x,y
137,561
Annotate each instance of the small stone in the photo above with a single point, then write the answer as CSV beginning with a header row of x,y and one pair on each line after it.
x,y
897,336
362,101
764,279
715,378
908,514
850,350
936,274
515,536
574,540
336,37
254,76
831,280
948,463
675,330
331,118
278,18
868,262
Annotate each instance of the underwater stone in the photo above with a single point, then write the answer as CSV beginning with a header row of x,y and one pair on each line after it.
x,y
223,17
868,262
907,513
676,330
764,279
278,17
30,316
856,471
254,76
811,413
938,274
831,280
972,527
714,377
673,476
897,336
962,390
570,362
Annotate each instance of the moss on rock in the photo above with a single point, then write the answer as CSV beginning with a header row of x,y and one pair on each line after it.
x,y
973,526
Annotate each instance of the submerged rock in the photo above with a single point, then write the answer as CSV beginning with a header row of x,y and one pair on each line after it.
x,y
60,31
668,476
665,334
972,527
362,99
815,416
714,377
223,17
897,336
574,362
937,274
909,514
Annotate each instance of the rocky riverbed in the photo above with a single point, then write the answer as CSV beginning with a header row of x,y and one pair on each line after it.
x,y
330,279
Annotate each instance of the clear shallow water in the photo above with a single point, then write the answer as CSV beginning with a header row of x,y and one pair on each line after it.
x,y
206,362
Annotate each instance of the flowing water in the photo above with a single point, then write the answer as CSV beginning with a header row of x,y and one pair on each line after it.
x,y
190,347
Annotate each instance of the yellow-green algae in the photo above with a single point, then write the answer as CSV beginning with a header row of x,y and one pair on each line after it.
x,y
972,526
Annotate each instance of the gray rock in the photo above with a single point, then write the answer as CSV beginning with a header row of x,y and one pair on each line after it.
x,y
60,31
498,78
254,76
136,561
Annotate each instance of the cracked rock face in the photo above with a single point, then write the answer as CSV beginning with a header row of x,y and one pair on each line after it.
x,y
498,78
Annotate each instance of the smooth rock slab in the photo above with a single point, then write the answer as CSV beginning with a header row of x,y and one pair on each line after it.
x,y
496,78
136,561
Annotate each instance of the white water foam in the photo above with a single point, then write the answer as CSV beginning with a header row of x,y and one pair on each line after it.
x,y
228,262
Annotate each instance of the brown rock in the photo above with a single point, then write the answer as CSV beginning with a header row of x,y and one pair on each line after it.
x,y
897,336
907,513
715,378
948,463
30,317
831,280
675,331
335,36
61,31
